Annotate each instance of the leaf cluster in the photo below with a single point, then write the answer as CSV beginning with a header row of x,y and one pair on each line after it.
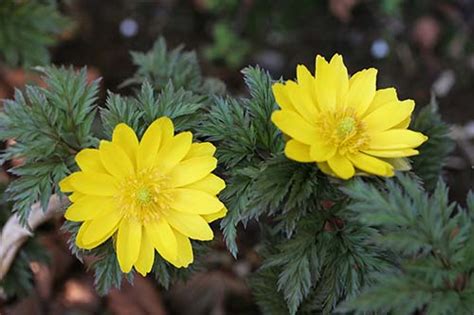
x,y
432,241
159,66
27,29
49,126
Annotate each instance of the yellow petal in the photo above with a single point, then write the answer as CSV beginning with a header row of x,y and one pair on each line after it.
x,y
96,184
191,225
324,167
298,151
149,145
392,153
100,229
115,160
322,151
325,85
146,257
75,196
80,233
167,130
163,239
214,216
210,184
173,152
381,98
89,207
371,164
281,97
389,115
200,149
65,184
301,98
399,164
89,161
129,237
341,166
192,170
185,250
341,77
125,138
295,126
404,124
307,83
396,139
193,201
361,90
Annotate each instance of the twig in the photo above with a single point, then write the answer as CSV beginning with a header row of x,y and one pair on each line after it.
x,y
14,234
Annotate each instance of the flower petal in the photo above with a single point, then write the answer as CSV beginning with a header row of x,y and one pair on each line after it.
x,y
89,161
192,170
210,184
389,115
341,166
381,98
146,256
125,138
99,230
392,153
361,91
173,152
88,207
301,98
193,201
298,151
96,184
163,239
185,250
191,225
214,216
307,84
200,149
295,126
65,184
167,130
115,160
322,151
129,237
325,85
149,145
396,139
371,164
281,97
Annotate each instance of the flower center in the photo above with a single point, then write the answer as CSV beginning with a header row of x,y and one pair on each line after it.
x,y
346,126
142,196
343,129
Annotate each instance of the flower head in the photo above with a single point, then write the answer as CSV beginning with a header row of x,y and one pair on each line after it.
x,y
154,194
344,124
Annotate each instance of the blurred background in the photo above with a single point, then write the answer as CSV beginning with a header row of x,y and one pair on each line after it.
x,y
424,48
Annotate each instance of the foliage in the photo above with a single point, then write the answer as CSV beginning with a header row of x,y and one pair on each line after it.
x,y
19,280
432,240
433,153
160,66
49,126
27,29
227,46
182,106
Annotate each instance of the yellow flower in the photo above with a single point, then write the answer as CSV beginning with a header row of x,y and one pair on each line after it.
x,y
344,124
153,194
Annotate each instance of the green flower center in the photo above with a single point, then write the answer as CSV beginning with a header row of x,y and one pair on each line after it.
x,y
346,126
144,195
